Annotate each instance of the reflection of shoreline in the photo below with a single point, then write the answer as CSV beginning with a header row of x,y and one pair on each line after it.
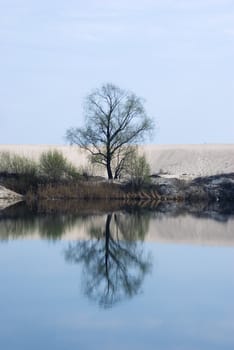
x,y
190,230
217,211
153,226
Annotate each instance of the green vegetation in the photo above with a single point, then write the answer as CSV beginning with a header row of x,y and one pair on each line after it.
x,y
54,177
137,169
11,163
23,175
55,167
52,166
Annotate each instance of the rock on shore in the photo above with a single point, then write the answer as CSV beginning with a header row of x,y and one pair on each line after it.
x,y
215,188
8,197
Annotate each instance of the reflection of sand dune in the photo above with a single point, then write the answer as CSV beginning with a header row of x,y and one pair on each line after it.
x,y
182,229
43,228
174,230
193,160
189,230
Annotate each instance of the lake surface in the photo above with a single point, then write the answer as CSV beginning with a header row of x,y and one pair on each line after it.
x,y
123,280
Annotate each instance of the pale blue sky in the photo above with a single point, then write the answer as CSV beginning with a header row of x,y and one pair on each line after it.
x,y
177,54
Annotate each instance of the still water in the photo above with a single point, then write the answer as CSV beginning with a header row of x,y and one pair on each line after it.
x,y
122,280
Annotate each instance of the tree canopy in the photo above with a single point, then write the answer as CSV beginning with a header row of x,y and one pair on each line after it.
x,y
115,120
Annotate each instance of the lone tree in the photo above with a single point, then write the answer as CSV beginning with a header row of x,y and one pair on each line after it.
x,y
115,120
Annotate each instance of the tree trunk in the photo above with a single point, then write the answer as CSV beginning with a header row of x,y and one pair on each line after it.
x,y
108,168
107,238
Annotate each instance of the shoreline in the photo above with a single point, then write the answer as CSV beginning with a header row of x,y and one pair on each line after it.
x,y
210,189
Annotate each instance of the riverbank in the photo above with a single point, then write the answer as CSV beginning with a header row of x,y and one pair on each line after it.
x,y
190,173
215,188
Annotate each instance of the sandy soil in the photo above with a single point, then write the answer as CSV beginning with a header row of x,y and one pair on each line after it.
x,y
172,160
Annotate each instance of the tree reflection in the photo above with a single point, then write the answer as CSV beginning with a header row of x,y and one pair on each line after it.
x,y
114,262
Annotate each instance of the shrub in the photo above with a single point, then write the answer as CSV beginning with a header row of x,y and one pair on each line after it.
x,y
55,166
72,172
138,170
15,164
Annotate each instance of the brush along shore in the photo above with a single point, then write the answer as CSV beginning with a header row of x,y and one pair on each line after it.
x,y
211,188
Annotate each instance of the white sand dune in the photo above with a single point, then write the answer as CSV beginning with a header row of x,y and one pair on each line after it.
x,y
175,160
191,160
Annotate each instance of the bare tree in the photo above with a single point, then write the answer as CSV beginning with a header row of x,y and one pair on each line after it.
x,y
115,120
114,261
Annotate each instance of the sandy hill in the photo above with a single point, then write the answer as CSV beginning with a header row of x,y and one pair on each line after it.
x,y
175,160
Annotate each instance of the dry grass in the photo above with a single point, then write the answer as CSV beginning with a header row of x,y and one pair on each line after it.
x,y
90,190
78,190
78,207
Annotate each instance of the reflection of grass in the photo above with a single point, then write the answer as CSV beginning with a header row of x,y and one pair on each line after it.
x,y
133,225
85,207
28,223
54,226
15,228
52,222
51,227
